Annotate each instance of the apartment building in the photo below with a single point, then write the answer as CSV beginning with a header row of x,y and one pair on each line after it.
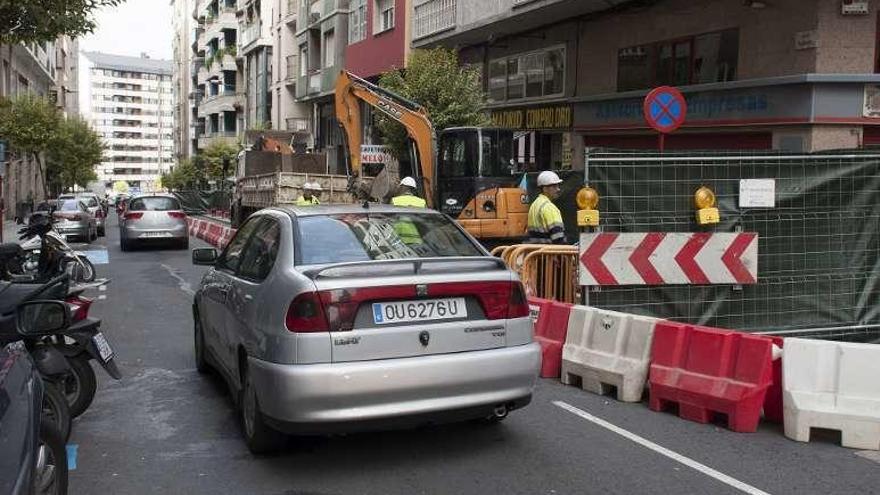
x,y
286,113
776,74
31,68
321,39
129,102
184,70
219,94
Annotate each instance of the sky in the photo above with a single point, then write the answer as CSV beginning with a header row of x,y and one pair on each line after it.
x,y
135,26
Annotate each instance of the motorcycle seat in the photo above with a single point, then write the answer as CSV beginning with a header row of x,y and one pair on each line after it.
x,y
10,249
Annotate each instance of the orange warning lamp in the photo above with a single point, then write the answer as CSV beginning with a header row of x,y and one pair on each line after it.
x,y
587,200
707,212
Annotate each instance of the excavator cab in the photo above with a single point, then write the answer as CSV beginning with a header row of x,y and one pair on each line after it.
x,y
478,182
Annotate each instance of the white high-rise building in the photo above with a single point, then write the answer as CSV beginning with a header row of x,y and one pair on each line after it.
x,y
129,102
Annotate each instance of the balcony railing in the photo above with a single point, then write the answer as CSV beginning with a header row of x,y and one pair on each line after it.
x,y
251,33
432,16
299,124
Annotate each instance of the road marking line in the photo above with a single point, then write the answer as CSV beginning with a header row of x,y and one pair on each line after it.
x,y
97,257
102,297
71,456
102,288
184,285
735,483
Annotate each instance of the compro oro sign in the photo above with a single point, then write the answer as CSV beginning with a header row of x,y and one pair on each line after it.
x,y
375,153
545,117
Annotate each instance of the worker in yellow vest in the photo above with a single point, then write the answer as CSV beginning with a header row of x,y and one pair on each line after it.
x,y
406,230
407,196
545,219
311,191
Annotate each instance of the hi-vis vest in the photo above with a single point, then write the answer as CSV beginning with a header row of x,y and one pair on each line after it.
x,y
405,229
545,222
409,200
302,201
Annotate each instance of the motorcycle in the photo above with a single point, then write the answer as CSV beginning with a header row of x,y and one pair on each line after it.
x,y
42,255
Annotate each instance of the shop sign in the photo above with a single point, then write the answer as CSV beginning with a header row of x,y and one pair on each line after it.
x,y
374,153
533,118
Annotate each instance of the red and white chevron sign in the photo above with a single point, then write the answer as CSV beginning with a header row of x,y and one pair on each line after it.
x,y
658,258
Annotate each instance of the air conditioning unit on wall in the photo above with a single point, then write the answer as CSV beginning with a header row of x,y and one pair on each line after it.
x,y
854,7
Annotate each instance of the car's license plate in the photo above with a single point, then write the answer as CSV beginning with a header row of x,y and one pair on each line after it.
x,y
104,348
155,234
421,310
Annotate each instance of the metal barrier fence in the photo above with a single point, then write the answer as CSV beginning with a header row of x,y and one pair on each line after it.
x,y
547,271
819,247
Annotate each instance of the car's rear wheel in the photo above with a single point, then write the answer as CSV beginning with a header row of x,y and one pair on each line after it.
x,y
259,437
102,232
124,244
183,244
199,345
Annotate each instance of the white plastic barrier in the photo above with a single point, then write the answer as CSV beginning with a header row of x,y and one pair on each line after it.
x,y
607,348
833,385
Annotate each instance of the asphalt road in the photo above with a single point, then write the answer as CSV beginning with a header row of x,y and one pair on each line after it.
x,y
166,429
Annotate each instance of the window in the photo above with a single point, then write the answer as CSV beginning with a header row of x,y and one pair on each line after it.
x,y
303,60
364,237
530,75
357,21
231,257
155,203
458,155
705,58
329,49
384,15
260,254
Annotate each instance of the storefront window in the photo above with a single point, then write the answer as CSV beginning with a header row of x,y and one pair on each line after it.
x,y
705,58
533,66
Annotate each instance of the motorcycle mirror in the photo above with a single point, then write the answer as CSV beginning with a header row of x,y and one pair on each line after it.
x,y
204,256
36,318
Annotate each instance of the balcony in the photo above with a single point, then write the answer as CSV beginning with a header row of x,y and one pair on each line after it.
x,y
250,35
432,16
299,124
291,14
315,82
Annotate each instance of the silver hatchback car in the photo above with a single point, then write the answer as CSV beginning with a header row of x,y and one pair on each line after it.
x,y
73,219
349,318
153,220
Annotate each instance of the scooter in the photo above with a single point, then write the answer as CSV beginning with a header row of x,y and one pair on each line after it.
x,y
40,237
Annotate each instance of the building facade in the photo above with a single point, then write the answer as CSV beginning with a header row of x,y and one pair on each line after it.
x,y
788,75
31,69
129,102
287,113
219,95
184,34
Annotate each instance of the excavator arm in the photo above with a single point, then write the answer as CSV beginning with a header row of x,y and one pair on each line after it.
x,y
350,90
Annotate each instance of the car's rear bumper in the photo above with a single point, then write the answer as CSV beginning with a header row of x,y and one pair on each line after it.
x,y
73,229
178,232
321,398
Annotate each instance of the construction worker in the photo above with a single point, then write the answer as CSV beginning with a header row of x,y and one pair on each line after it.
x,y
311,191
545,219
407,196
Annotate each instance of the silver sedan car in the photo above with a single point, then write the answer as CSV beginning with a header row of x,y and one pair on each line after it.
x,y
329,319
153,220
73,219
93,203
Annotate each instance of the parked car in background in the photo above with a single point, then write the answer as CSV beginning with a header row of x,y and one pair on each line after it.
x,y
341,318
73,219
93,203
153,219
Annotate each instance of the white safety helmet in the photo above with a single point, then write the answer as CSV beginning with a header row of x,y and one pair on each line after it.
x,y
314,186
548,178
408,182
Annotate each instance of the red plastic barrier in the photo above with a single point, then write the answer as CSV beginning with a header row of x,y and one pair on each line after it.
x,y
773,401
706,370
550,330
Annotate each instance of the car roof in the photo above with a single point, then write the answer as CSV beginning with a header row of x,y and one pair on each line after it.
x,y
342,209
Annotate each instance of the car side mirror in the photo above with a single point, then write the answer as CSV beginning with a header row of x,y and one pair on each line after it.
x,y
204,256
38,318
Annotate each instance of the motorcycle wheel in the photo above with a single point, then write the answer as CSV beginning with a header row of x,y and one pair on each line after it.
x,y
56,410
79,385
50,471
84,272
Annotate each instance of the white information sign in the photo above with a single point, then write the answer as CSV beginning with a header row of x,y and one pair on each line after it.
x,y
374,153
757,193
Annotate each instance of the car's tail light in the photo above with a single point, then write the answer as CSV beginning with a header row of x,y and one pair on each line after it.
x,y
176,214
306,315
79,307
519,304
68,216
134,215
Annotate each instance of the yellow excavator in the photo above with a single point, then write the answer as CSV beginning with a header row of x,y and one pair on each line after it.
x,y
472,178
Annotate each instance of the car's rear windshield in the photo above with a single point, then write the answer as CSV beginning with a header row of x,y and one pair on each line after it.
x,y
69,205
89,201
379,236
154,204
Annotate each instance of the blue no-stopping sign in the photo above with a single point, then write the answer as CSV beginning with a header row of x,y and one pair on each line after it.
x,y
665,109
